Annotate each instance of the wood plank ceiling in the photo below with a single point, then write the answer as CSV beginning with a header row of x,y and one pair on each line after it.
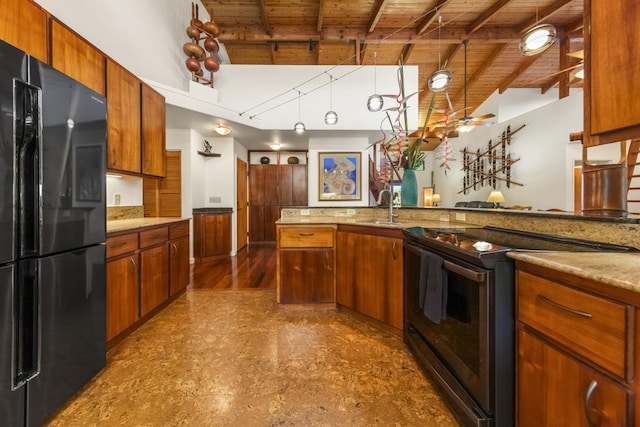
x,y
324,32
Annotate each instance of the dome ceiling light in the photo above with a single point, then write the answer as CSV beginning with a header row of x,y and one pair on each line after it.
x,y
222,130
537,39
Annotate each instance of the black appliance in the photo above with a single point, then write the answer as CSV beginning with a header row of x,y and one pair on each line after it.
x,y
52,223
468,348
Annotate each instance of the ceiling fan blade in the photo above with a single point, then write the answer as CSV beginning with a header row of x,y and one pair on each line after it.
x,y
577,54
484,117
566,70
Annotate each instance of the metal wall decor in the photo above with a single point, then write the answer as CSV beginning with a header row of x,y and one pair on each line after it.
x,y
197,55
489,166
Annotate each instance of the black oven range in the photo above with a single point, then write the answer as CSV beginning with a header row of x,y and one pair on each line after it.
x,y
460,313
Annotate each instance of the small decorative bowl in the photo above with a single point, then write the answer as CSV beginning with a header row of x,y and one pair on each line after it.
x,y
293,160
264,160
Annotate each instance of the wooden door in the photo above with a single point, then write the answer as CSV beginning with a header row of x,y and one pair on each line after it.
x,y
163,197
123,117
23,24
553,389
122,294
153,119
178,264
241,204
154,277
77,58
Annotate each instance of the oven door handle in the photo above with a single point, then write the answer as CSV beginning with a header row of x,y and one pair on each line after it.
x,y
476,276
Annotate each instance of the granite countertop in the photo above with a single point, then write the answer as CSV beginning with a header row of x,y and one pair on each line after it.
x,y
135,223
368,221
621,270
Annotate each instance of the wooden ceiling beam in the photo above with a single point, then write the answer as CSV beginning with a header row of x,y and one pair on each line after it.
x,y
406,52
305,34
563,78
575,26
320,15
479,72
265,17
378,9
526,63
431,16
543,14
487,15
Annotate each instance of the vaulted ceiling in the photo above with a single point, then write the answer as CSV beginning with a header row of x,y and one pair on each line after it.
x,y
323,32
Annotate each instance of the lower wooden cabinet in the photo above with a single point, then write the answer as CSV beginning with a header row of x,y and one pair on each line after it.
x,y
369,272
557,390
144,269
154,277
575,351
123,297
306,263
212,235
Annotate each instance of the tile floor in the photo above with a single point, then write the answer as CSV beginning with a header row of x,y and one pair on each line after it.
x,y
234,358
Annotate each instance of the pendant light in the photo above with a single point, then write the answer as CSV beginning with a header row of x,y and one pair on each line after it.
x,y
466,123
538,38
440,80
331,118
375,101
299,126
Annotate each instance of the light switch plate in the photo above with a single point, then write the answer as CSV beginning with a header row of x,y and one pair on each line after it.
x,y
351,211
304,212
116,199
215,199
460,216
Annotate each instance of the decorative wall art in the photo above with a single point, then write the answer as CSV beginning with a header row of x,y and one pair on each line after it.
x,y
198,32
487,167
339,176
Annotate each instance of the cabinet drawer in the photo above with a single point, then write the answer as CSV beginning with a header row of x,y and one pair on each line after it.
x,y
306,237
122,244
178,230
153,237
593,327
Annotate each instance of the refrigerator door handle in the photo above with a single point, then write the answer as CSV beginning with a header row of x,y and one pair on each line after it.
x,y
28,125
27,332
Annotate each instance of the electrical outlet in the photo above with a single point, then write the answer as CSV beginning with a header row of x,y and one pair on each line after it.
x,y
444,217
215,199
351,211
460,216
116,199
304,212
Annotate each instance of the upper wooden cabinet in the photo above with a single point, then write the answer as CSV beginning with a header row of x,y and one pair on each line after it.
x,y
123,117
153,132
612,66
76,58
23,24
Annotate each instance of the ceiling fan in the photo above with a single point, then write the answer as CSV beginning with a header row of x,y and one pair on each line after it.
x,y
467,122
579,54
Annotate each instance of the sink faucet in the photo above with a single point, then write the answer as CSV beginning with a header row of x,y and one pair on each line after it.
x,y
391,214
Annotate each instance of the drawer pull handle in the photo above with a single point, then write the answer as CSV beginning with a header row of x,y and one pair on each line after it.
x,y
117,245
564,307
393,251
587,402
305,234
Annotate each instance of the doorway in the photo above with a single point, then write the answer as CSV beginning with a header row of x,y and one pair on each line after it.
x,y
241,204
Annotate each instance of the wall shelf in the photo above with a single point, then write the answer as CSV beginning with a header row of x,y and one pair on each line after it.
x,y
205,154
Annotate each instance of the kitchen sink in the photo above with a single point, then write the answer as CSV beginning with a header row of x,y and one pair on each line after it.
x,y
382,222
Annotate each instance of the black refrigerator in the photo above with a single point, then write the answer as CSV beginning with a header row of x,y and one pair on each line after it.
x,y
52,234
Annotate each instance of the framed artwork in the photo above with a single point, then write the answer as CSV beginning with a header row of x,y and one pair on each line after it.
x,y
340,176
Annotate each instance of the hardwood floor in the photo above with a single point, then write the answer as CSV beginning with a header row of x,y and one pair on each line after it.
x,y
253,268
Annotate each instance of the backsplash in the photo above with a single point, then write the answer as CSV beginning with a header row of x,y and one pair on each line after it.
x,y
124,212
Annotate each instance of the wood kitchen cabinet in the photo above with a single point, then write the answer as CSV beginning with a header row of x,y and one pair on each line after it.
x,y
123,293
153,119
77,58
24,25
154,268
306,264
212,235
123,118
178,257
369,270
575,353
612,110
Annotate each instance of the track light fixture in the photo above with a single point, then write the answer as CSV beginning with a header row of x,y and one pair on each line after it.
x,y
299,126
375,101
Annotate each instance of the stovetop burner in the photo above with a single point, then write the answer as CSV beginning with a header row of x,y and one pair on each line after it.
x,y
484,243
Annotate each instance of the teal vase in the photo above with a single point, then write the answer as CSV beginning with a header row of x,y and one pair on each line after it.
x,y
409,188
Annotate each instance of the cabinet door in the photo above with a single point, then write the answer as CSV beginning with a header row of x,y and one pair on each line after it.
x,y
256,224
76,58
122,294
123,118
369,276
556,390
179,264
299,187
285,184
306,276
212,234
23,24
153,132
615,72
154,277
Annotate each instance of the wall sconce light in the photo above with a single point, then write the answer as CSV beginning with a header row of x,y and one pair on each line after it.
x,y
496,197
427,196
222,130
435,199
